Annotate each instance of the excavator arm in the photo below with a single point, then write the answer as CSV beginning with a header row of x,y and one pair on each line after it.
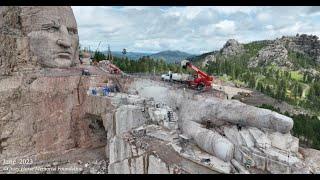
x,y
201,73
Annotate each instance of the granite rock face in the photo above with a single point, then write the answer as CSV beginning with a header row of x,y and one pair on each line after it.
x,y
47,116
207,59
277,51
272,54
274,51
33,37
232,48
306,44
41,104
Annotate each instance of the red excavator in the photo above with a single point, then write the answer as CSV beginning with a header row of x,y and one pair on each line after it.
x,y
115,69
201,81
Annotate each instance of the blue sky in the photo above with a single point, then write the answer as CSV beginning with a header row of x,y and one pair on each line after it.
x,y
196,29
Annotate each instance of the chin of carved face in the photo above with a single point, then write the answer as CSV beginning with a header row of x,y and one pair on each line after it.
x,y
61,62
63,58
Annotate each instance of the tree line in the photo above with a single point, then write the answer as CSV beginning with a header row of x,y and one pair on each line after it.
x,y
145,64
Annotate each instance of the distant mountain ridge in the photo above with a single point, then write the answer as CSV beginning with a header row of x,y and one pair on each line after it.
x,y
130,55
169,56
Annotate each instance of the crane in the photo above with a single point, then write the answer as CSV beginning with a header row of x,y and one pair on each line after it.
x,y
98,46
202,81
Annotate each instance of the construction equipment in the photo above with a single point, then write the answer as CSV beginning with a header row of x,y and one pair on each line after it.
x,y
85,72
176,77
107,66
114,69
201,81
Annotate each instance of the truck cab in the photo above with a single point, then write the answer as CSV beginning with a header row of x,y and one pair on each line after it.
x,y
165,77
174,77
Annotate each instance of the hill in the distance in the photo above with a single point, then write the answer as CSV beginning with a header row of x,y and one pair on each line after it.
x,y
168,56
129,55
298,52
171,56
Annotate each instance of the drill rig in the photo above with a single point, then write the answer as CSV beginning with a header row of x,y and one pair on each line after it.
x,y
201,81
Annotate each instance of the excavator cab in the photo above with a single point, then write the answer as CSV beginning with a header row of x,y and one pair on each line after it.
x,y
195,76
184,64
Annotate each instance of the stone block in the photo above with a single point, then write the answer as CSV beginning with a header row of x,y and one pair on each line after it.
x,y
121,167
285,142
157,166
119,150
128,117
260,138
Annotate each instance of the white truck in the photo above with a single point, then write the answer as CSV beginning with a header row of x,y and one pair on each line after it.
x,y
175,77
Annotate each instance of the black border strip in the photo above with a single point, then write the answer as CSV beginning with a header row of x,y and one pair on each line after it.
x,y
162,2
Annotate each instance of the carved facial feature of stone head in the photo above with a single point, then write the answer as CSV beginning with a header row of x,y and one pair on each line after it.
x,y
53,37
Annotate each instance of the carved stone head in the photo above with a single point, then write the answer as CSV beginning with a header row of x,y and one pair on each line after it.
x,y
53,35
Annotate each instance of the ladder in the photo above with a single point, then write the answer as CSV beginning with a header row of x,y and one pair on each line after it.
x,y
170,116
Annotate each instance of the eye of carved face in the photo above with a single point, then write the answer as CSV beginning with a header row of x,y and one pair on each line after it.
x,y
72,31
50,27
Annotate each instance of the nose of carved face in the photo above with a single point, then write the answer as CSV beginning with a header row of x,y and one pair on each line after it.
x,y
63,43
64,39
65,53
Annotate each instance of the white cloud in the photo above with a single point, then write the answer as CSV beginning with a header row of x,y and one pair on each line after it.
x,y
186,12
234,9
269,27
193,29
222,28
138,8
226,27
264,17
297,27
